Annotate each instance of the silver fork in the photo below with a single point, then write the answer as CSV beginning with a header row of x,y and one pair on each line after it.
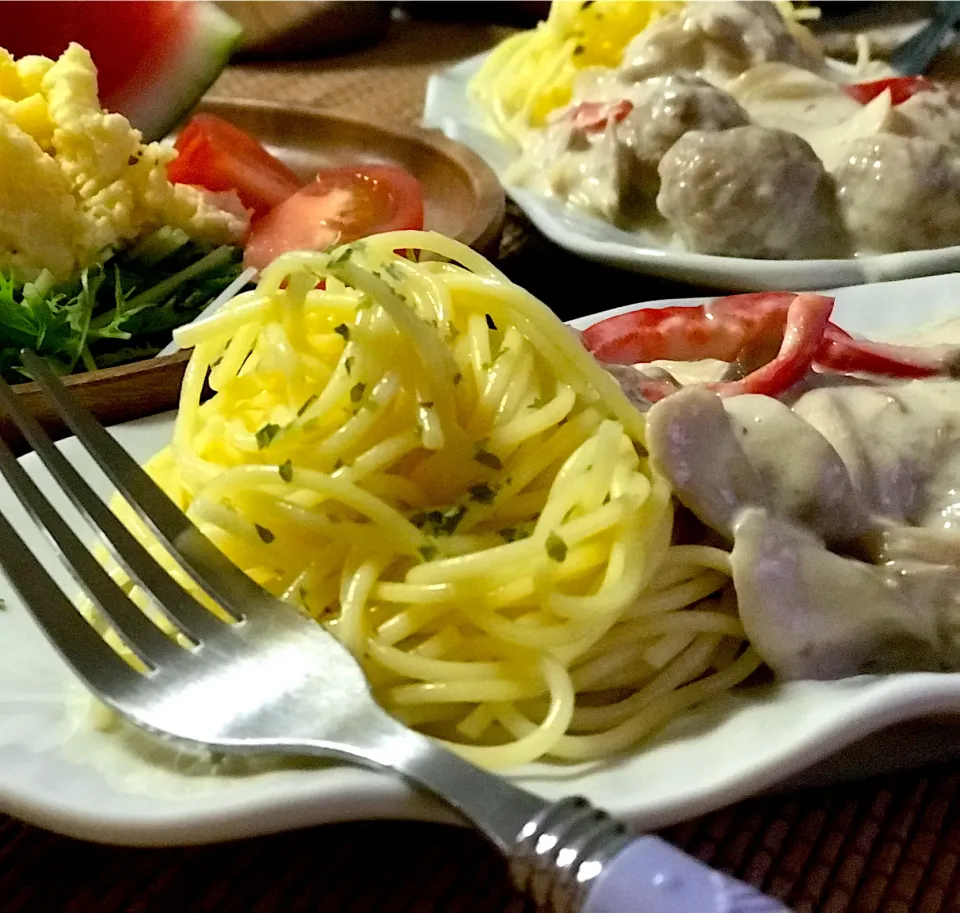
x,y
275,682
917,53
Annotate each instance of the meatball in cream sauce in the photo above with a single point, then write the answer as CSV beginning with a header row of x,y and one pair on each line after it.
x,y
727,192
715,40
899,193
665,108
695,118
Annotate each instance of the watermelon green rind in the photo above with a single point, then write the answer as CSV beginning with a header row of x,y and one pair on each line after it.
x,y
212,38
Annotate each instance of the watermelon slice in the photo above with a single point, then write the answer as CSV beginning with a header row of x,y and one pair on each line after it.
x,y
154,58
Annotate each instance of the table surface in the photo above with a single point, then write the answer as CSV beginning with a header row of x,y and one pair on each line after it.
x,y
884,845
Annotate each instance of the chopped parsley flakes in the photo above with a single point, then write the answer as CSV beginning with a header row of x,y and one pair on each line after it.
x,y
486,458
494,358
482,493
556,548
439,522
266,435
307,405
342,257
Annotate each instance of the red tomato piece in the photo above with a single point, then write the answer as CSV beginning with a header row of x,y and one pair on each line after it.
x,y
339,205
219,156
901,88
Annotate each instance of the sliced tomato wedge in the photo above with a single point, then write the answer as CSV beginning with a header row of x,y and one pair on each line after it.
x,y
901,88
219,156
339,205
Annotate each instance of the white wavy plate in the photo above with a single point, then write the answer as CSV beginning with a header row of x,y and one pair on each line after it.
x,y
58,770
449,109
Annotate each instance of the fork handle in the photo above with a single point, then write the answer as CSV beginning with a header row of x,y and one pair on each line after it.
x,y
914,56
574,858
569,856
651,876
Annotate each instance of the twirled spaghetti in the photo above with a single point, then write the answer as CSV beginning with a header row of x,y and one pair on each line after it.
x,y
423,458
534,72
531,73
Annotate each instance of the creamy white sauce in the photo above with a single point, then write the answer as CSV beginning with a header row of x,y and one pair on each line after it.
x,y
843,514
705,371
938,332
843,508
783,97
748,54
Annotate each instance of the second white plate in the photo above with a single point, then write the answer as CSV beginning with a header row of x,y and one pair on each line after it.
x,y
449,108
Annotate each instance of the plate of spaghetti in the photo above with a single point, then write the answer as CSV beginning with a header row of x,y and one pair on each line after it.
x,y
415,452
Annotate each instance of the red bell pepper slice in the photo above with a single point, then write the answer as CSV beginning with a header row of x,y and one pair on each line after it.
x,y
901,88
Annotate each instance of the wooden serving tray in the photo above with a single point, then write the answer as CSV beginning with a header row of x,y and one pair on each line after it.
x,y
463,199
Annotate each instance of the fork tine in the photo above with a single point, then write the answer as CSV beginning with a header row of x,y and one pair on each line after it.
x,y
135,629
196,554
178,606
83,648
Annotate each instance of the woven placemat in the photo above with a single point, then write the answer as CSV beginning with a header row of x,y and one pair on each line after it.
x,y
888,845
386,81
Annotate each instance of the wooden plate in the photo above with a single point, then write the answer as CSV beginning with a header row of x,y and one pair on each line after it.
x,y
463,199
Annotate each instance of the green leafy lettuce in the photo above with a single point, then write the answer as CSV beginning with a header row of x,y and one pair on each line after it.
x,y
118,311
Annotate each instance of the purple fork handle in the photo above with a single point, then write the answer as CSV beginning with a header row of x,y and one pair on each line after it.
x,y
651,876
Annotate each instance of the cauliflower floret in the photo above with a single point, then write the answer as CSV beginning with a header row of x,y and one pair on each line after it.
x,y
31,70
41,231
92,146
120,183
77,182
11,85
31,116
